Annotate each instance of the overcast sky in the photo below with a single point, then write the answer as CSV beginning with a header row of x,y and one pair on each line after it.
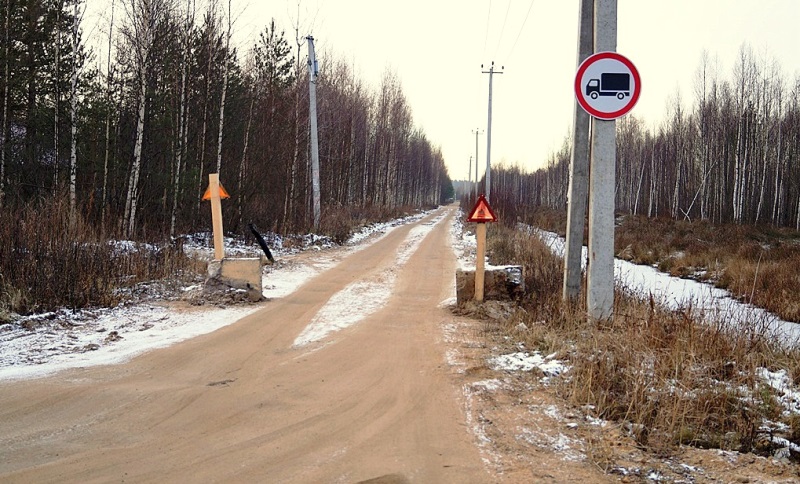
x,y
436,47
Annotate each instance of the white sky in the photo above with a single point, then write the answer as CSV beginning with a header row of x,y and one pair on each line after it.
x,y
437,47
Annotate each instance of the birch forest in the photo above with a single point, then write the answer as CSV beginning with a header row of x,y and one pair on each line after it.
x,y
128,138
734,157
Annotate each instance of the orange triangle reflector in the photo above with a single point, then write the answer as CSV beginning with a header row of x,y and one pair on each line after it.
x,y
222,193
482,212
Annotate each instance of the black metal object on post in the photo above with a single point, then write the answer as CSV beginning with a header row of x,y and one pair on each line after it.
x,y
261,242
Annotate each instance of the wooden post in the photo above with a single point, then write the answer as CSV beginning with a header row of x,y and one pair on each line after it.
x,y
216,216
480,233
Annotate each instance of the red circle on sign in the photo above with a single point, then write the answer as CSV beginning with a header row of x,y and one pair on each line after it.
x,y
579,88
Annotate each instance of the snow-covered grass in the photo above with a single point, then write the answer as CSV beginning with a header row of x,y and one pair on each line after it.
x,y
711,303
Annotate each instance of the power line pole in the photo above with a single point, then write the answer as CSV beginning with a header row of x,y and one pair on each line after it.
x,y
491,73
600,274
312,96
579,168
477,131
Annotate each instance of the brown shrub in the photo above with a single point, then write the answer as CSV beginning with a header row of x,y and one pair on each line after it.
x,y
45,263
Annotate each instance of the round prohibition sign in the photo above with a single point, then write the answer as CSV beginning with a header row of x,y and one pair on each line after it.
x,y
607,85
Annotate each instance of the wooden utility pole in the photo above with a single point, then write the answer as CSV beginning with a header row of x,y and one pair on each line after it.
x,y
488,190
312,96
579,168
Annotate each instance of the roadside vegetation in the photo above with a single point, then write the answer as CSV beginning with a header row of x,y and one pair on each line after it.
x,y
758,264
48,263
664,377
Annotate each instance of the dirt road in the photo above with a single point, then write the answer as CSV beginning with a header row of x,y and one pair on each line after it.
x,y
374,400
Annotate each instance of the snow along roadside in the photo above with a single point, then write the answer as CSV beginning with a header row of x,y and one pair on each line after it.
x,y
66,340
713,304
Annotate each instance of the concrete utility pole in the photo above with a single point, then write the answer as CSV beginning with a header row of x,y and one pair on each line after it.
x,y
312,96
477,131
491,73
579,168
600,274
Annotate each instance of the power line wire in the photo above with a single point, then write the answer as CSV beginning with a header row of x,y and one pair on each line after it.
x,y
486,35
522,27
502,31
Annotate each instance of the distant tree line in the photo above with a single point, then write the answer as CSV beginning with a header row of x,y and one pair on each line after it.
x,y
130,138
735,157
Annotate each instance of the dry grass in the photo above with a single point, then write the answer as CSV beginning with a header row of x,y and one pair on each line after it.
x,y
339,222
758,264
46,264
666,377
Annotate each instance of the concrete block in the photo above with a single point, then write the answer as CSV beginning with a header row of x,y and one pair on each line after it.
x,y
501,284
244,274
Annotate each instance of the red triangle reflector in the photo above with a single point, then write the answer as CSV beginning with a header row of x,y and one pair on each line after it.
x,y
482,212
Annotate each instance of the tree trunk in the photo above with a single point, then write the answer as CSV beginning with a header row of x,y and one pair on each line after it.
x,y
182,122
5,130
737,172
108,117
225,64
133,181
243,163
73,112
57,93
206,100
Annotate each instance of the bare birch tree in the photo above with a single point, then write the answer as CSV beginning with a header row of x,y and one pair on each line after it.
x,y
73,110
6,81
109,77
225,67
182,114
143,18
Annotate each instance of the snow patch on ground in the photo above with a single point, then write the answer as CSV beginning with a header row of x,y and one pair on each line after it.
x,y
711,303
524,361
363,298
43,344
103,337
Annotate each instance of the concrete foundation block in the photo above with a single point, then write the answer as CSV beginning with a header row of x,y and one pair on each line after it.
x,y
244,274
500,284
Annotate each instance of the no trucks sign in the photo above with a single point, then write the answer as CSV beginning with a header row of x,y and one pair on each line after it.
x,y
607,85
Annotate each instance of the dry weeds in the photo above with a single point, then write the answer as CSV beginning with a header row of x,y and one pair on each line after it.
x,y
663,376
46,263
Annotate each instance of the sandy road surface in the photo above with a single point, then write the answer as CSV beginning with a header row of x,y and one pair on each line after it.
x,y
374,400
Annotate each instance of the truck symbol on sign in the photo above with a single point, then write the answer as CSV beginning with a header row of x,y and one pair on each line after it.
x,y
610,84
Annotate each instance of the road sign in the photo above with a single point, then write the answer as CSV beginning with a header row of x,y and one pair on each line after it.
x,y
482,212
607,85
222,193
